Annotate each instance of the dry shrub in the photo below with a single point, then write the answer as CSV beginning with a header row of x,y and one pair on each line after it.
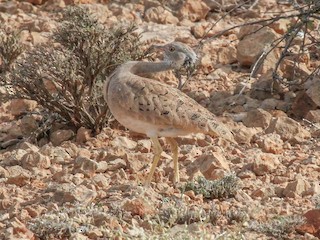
x,y
10,49
66,74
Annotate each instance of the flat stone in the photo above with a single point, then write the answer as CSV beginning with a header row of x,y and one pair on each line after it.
x,y
297,187
288,129
59,136
210,165
85,165
257,118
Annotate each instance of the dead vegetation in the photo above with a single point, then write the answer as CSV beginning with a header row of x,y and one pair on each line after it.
x,y
291,47
66,74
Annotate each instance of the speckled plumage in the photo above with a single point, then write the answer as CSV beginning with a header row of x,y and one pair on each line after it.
x,y
153,108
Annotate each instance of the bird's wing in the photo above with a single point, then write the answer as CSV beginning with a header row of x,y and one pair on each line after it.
x,y
163,105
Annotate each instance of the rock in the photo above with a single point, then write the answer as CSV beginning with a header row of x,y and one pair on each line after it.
x,y
206,29
102,167
28,125
18,176
35,211
265,163
302,104
6,203
313,92
316,133
227,55
73,2
257,118
279,179
261,88
116,164
244,135
124,142
18,230
313,116
312,224
247,30
289,129
314,189
200,29
86,166
144,145
20,106
138,206
213,4
83,135
246,174
3,172
269,62
194,10
77,236
66,192
281,26
101,181
160,15
271,143
36,2
59,136
28,147
210,165
294,71
296,187
13,133
257,42
14,157
57,155
83,152
28,8
94,234
275,104
263,192
35,159
9,7
151,3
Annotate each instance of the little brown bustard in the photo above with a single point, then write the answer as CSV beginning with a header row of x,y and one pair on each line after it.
x,y
156,109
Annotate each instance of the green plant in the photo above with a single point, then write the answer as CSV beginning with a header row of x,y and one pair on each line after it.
x,y
238,216
222,188
278,227
316,200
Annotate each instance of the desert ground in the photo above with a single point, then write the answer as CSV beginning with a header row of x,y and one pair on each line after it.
x,y
257,72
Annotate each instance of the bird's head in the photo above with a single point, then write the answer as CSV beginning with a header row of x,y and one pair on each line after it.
x,y
178,54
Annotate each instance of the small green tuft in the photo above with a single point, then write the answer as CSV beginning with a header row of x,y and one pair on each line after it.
x,y
222,188
278,227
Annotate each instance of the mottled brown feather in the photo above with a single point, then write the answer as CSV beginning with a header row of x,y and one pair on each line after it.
x,y
161,105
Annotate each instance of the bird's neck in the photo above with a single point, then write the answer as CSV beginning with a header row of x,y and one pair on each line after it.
x,y
142,68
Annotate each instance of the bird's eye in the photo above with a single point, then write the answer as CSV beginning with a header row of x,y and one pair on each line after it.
x,y
171,49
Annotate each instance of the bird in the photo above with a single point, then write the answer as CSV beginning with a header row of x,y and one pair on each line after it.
x,y
153,108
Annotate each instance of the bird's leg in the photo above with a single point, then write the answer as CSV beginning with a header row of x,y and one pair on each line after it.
x,y
157,153
174,148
